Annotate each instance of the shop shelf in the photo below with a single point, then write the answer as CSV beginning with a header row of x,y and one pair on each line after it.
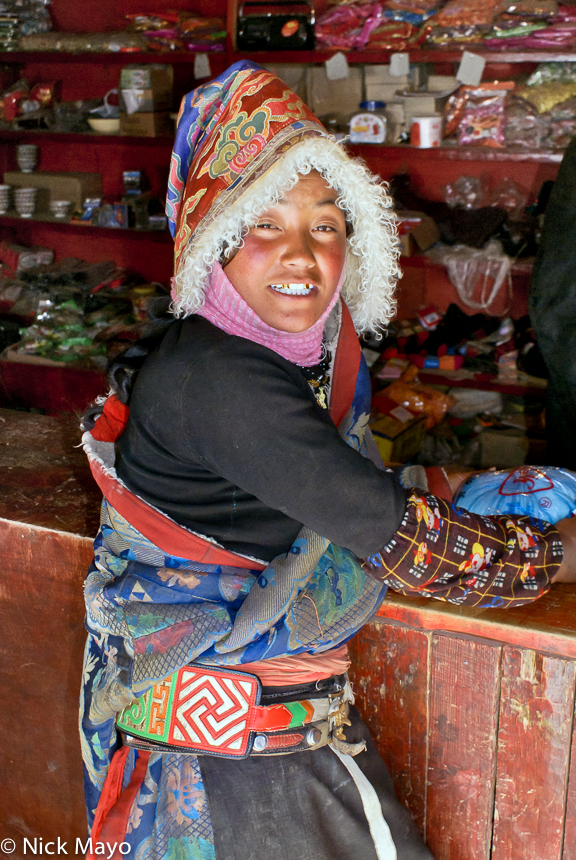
x,y
120,57
436,55
483,382
161,236
421,261
89,137
459,153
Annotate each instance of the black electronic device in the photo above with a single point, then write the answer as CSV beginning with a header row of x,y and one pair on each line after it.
x,y
280,25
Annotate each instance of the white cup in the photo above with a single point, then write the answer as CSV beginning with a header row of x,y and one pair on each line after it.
x,y
426,132
27,156
25,201
59,208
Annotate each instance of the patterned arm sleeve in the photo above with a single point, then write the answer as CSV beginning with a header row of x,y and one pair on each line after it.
x,y
451,554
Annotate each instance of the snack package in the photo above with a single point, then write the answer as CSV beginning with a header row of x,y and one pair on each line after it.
x,y
546,96
524,126
484,115
419,398
542,492
458,13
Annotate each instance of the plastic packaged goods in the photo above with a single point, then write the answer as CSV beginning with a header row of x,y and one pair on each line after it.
x,y
463,34
545,96
466,192
419,398
348,26
84,43
479,275
533,8
510,196
483,119
459,13
561,132
553,71
416,7
525,128
542,492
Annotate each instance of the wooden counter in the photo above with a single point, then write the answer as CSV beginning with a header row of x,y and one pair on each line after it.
x,y
472,710
49,512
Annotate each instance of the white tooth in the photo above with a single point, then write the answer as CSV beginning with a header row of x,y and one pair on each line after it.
x,y
293,289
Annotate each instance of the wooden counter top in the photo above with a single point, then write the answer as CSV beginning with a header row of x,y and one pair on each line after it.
x,y
45,479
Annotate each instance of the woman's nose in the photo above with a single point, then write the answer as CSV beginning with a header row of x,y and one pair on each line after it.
x,y
298,251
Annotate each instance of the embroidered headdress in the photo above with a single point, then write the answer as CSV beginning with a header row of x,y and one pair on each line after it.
x,y
241,143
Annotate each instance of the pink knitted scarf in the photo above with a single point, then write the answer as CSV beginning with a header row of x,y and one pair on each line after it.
x,y
226,309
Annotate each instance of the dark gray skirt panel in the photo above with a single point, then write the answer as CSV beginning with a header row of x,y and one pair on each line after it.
x,y
303,806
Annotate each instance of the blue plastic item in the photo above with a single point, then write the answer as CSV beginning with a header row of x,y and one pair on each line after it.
x,y
542,492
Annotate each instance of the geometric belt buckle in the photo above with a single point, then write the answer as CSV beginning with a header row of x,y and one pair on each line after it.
x,y
206,710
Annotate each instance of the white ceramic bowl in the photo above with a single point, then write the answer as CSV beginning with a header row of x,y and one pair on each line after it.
x,y
105,125
59,208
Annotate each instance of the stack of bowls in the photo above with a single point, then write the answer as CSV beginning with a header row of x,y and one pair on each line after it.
x,y
27,156
5,198
59,208
25,201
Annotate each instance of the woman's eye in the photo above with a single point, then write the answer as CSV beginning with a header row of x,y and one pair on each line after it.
x,y
265,226
325,228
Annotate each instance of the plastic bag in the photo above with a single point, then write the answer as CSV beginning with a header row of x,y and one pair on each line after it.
x,y
467,192
419,398
524,126
509,196
542,492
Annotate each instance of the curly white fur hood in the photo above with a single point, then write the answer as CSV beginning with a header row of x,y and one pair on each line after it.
x,y
371,261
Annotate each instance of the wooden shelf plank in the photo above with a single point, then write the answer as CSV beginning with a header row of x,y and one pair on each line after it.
x,y
120,57
481,382
450,54
421,261
88,137
160,236
457,153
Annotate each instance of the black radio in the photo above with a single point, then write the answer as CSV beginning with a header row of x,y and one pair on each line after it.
x,y
283,25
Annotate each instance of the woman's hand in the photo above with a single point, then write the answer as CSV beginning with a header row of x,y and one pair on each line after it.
x,y
456,478
567,570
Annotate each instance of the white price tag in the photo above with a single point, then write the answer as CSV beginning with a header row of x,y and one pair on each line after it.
x,y
470,69
337,68
202,66
399,65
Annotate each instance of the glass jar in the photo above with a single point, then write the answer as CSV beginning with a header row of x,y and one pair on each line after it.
x,y
369,125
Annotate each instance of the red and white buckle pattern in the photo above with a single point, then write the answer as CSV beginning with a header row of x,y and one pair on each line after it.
x,y
212,711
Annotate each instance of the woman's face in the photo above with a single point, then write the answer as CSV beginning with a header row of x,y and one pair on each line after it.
x,y
291,261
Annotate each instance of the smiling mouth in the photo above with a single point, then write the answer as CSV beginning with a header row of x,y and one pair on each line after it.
x,y
293,289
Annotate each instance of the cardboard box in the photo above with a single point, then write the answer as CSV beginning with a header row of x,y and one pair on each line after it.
x,y
146,89
144,101
383,92
156,124
396,440
340,97
420,235
381,75
442,83
504,449
422,104
71,186
155,76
